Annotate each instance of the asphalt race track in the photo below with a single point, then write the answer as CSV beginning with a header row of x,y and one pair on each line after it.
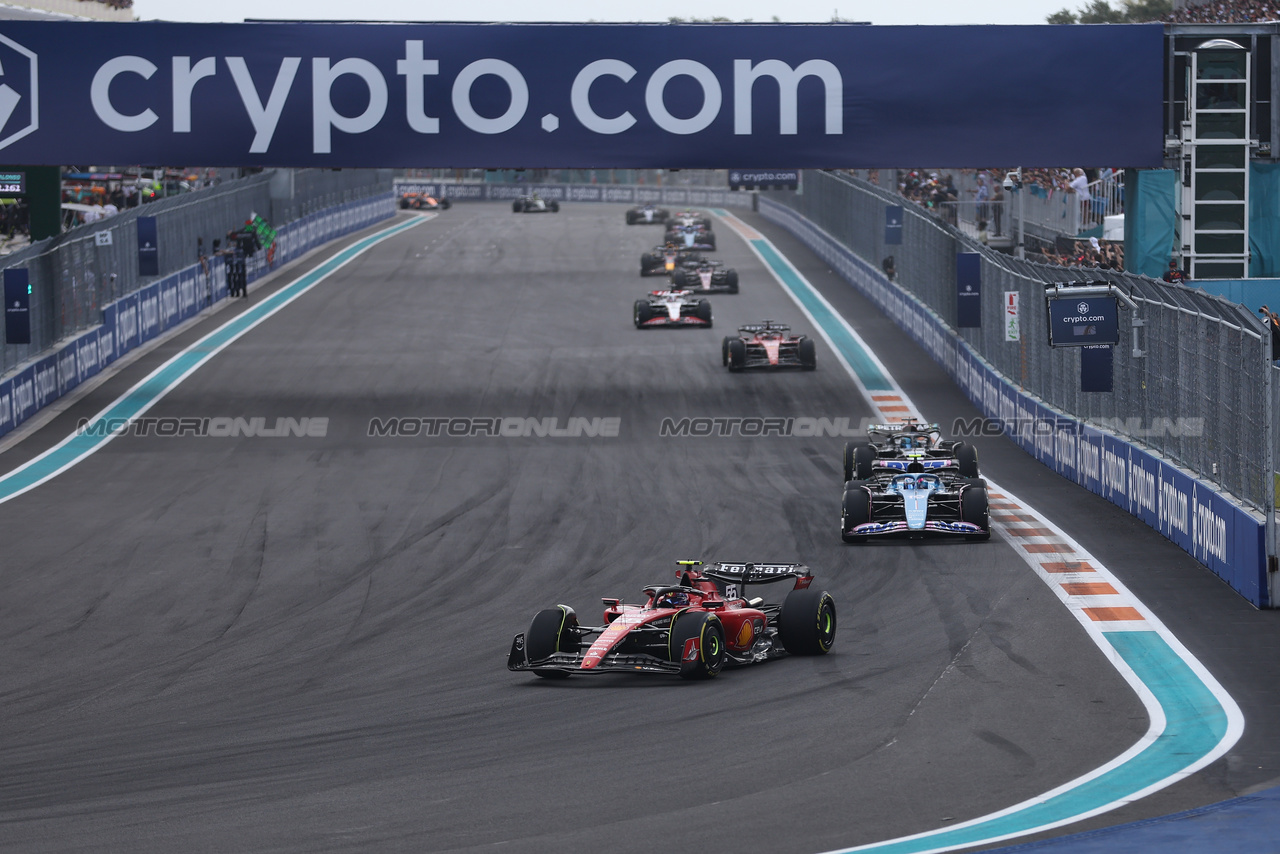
x,y
299,643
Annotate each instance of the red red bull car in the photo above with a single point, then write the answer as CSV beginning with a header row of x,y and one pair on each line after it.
x,y
768,345
693,629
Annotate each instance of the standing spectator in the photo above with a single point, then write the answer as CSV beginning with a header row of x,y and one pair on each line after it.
x,y
1080,184
1173,275
93,214
982,232
889,268
1270,318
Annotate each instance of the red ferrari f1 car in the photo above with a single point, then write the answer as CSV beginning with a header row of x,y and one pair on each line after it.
x,y
768,345
692,629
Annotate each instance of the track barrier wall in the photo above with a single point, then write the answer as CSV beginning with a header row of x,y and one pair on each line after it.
x,y
1225,537
635,194
132,320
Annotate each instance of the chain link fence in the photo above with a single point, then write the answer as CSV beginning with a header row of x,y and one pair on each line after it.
x,y
1190,383
76,273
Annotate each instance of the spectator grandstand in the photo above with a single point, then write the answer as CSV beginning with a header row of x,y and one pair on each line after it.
x,y
1225,12
99,10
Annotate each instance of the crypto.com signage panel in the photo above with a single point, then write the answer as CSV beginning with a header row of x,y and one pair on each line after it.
x,y
579,95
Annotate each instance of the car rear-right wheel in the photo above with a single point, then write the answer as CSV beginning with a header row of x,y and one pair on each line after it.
x,y
808,354
737,354
967,458
859,460
731,280
516,207
703,311
807,623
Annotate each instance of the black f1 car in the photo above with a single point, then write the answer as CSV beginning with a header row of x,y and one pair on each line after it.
x,y
908,446
705,277
671,308
534,204
768,345
663,260
647,214
915,505
693,628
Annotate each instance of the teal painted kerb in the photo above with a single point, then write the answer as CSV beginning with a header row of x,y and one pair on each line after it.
x,y
1195,724
136,401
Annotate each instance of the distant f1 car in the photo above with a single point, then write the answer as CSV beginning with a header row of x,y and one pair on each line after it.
x,y
647,214
534,204
768,345
705,277
423,202
693,217
691,236
908,447
663,260
915,505
671,308
692,629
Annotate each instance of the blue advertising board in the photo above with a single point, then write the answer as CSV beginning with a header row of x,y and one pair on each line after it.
x,y
1082,321
17,306
968,289
576,95
893,225
148,247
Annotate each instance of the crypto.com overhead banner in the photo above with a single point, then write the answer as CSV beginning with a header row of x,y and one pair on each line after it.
x,y
579,95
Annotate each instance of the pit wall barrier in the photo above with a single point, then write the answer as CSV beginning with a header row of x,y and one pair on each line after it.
x,y
1218,533
633,194
131,321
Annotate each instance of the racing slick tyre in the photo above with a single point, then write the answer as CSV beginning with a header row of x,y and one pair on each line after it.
x,y
855,510
967,458
807,623
445,204
704,658
678,278
711,241
404,204
808,354
516,207
552,630
631,217
731,280
554,207
974,508
703,311
737,354
724,351
642,313
859,460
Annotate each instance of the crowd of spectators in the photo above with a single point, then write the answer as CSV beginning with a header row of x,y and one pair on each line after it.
x,y
1226,12
1095,253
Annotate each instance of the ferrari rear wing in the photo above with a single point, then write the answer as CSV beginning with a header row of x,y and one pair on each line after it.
x,y
757,573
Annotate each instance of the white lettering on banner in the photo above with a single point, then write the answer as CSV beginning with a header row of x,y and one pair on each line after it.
x,y
185,77
24,397
46,384
656,89
414,68
788,80
67,373
1088,460
150,307
100,94
6,410
168,305
186,294
1064,450
1112,473
87,355
127,320
1142,487
1173,508
106,346
1209,533
580,96
264,117
324,118
462,96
